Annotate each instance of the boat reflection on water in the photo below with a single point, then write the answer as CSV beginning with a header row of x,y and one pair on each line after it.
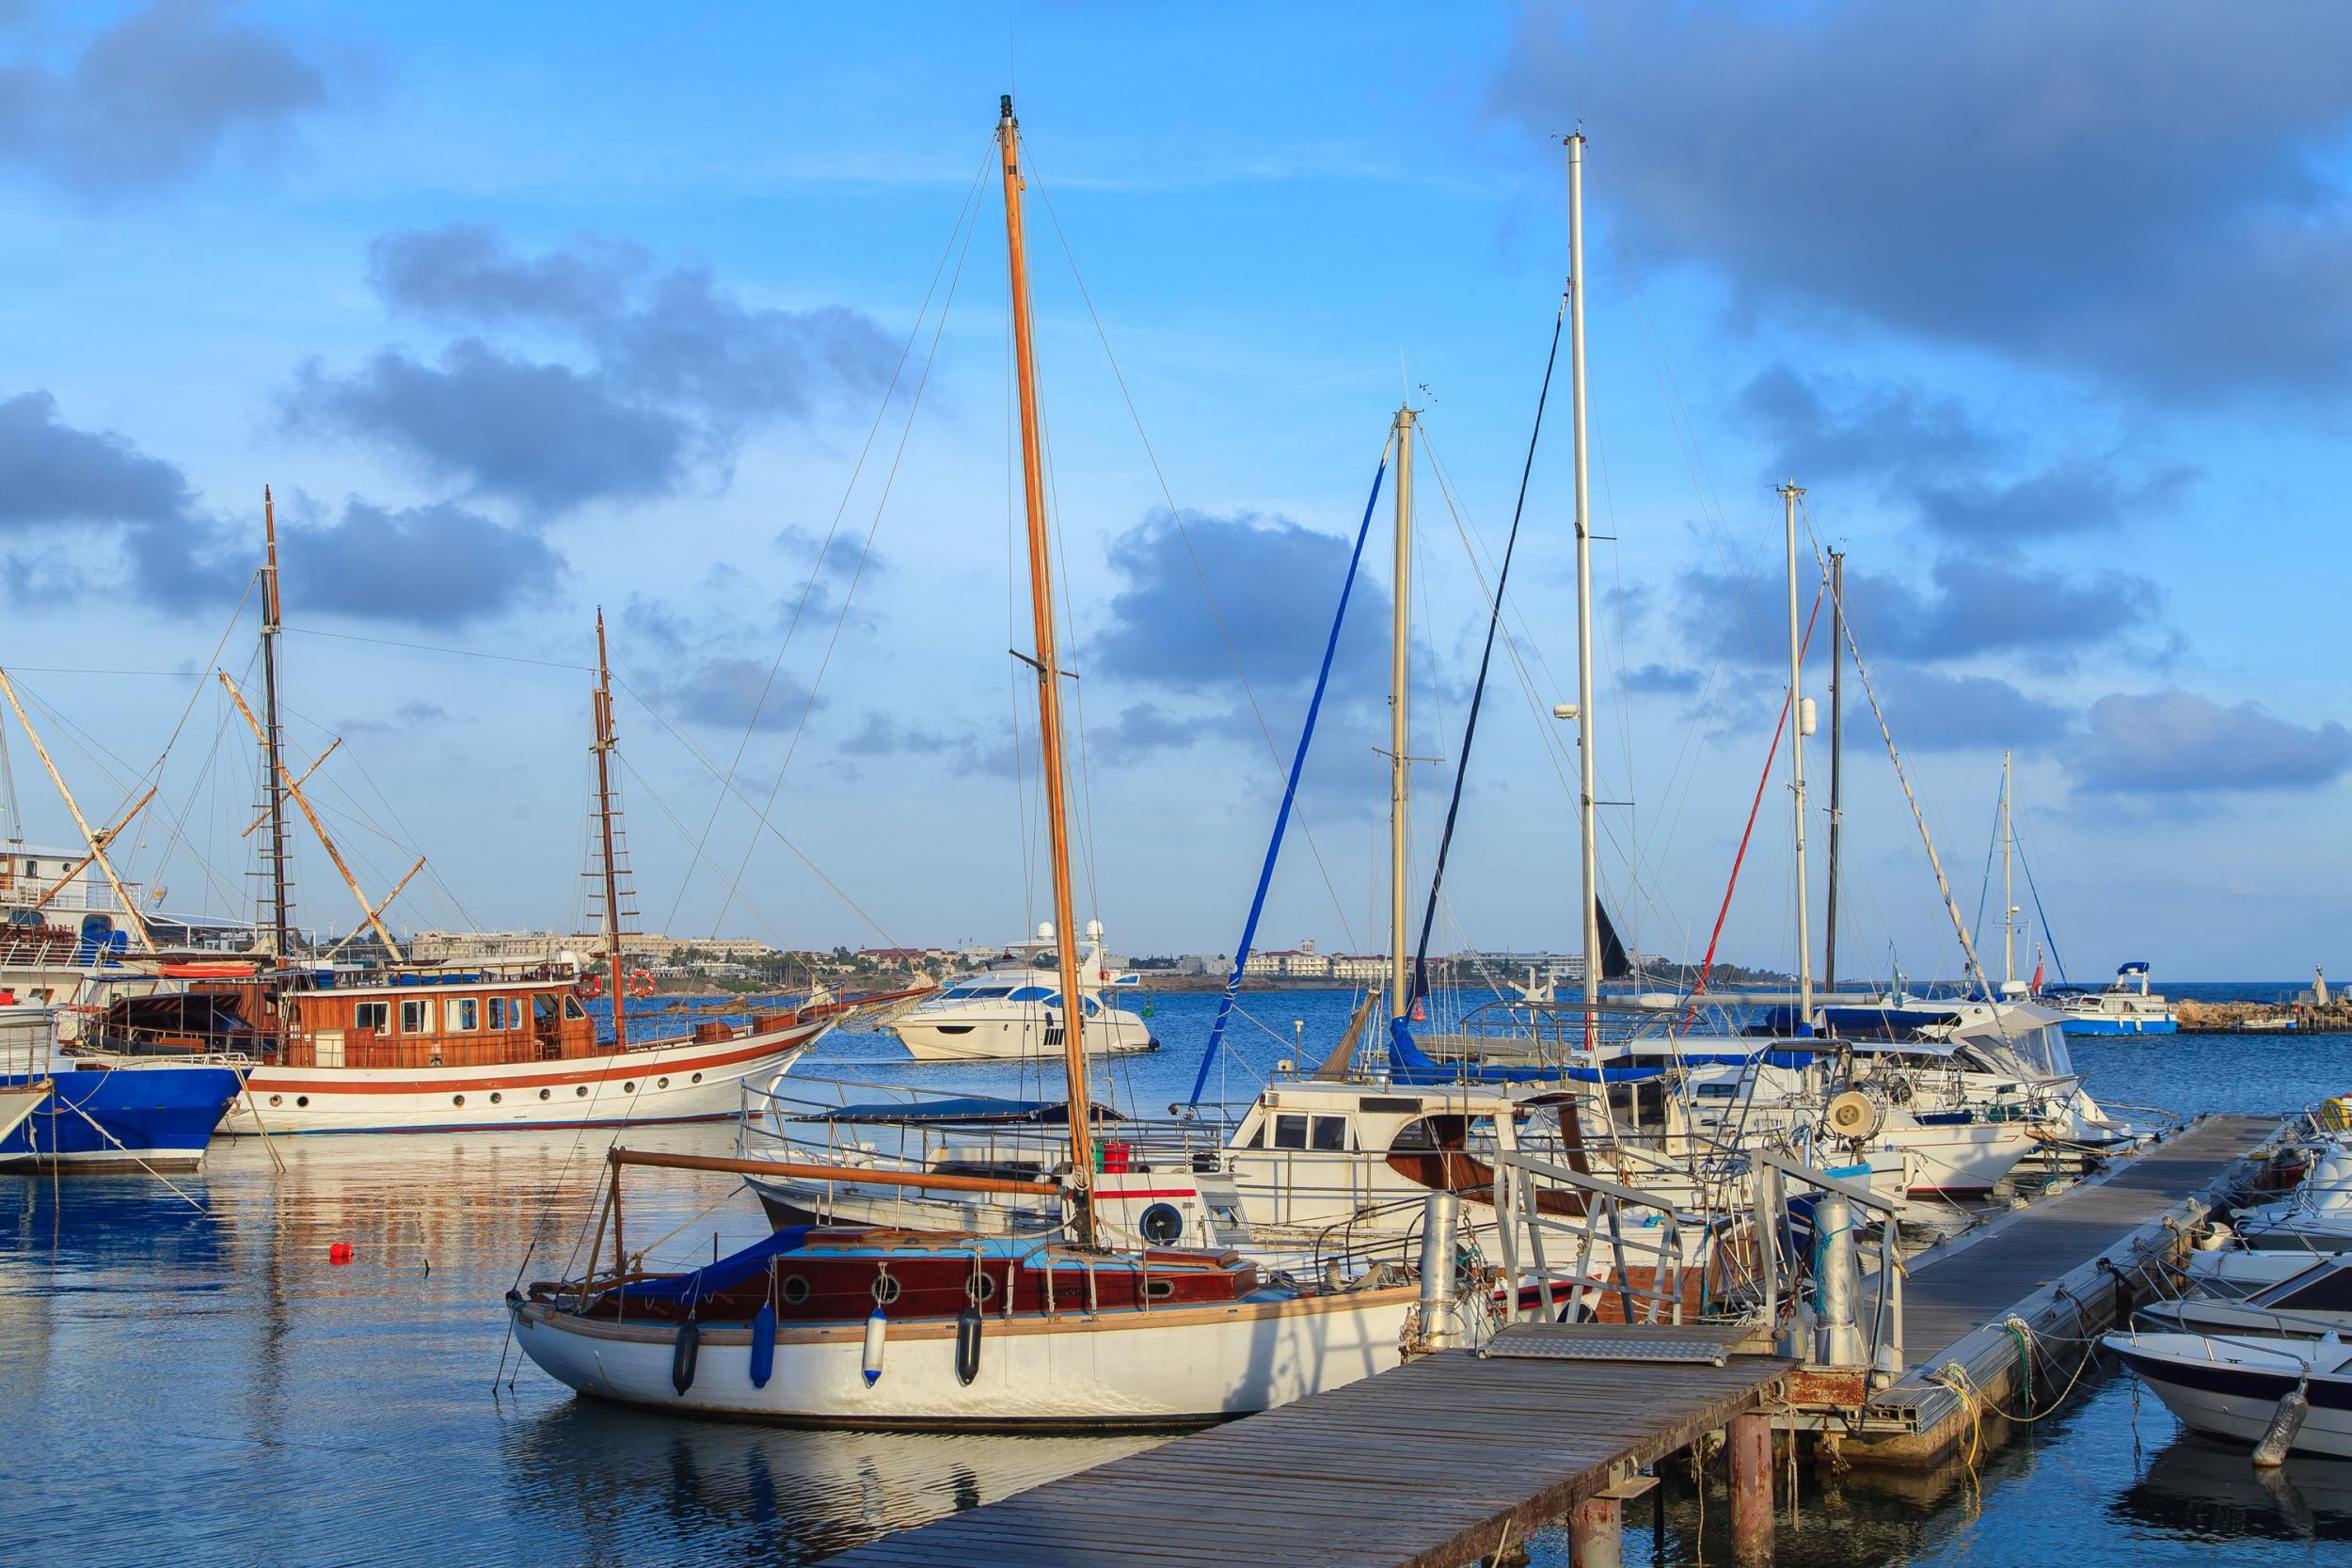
x,y
597,1474
2209,1492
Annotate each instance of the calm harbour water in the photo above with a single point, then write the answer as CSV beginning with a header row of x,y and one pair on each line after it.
x,y
191,1385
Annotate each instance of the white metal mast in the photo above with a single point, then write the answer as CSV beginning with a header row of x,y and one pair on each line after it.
x,y
2009,898
1586,825
1400,720
1789,491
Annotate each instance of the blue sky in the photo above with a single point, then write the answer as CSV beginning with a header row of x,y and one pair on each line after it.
x,y
529,311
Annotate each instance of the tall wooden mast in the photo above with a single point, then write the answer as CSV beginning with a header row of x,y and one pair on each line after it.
x,y
1048,682
605,742
274,762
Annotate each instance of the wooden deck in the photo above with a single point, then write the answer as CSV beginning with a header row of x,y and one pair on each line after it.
x,y
2053,1266
1430,1465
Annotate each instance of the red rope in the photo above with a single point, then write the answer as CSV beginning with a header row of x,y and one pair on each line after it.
x,y
1754,806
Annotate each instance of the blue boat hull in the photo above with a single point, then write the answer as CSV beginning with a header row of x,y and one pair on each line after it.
x,y
2119,1027
155,1116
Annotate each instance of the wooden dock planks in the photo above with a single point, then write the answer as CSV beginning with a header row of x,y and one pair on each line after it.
x,y
1950,1294
1430,1465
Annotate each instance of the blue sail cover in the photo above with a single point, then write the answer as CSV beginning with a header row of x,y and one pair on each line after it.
x,y
725,1274
1290,794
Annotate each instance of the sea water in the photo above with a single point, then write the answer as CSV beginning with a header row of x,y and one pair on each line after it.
x,y
185,1377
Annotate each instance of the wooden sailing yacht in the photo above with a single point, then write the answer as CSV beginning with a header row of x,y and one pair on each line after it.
x,y
861,1327
397,1046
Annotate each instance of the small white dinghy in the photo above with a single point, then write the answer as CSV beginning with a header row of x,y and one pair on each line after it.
x,y
2233,1387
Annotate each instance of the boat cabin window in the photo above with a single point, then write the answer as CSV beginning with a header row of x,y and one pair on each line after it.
x,y
416,1016
1290,1132
1032,993
1330,1132
371,1015
572,1007
465,1014
497,1013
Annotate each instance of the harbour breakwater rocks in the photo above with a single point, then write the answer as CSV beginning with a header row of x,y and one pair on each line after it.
x,y
2262,1018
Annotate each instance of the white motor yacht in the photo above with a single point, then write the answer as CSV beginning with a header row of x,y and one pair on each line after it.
x,y
1013,1010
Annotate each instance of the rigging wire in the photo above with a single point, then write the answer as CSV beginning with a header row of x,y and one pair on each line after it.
x,y
832,530
638,687
1176,519
848,596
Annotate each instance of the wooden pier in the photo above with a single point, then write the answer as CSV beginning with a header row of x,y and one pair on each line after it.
x,y
1458,1455
1431,1465
2066,1268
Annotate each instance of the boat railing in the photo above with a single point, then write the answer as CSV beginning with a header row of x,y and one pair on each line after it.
x,y
1532,1282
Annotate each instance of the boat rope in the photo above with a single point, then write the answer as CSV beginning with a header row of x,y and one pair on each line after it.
x,y
817,565
642,691
849,592
1176,520
1731,883
1290,791
1478,692
1910,797
440,648
2025,864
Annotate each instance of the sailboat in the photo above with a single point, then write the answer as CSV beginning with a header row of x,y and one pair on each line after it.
x,y
395,1046
866,1327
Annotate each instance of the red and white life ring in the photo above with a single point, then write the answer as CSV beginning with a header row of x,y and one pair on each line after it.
x,y
640,983
592,983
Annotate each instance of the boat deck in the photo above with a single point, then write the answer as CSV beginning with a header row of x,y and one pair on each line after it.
x,y
1430,1465
2055,1266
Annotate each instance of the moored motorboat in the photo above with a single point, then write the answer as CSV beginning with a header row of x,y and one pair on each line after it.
x,y
2232,1386
1014,1010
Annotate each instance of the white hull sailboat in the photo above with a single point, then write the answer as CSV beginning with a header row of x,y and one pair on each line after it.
x,y
863,1327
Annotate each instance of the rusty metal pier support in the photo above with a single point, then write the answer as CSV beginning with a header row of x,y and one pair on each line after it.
x,y
1751,1489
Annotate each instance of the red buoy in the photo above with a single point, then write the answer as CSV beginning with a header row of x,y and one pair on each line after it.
x,y
340,1253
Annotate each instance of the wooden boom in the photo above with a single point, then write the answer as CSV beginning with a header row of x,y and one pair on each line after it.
x,y
831,1173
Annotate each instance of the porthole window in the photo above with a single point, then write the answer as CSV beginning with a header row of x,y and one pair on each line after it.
x,y
301,1100
543,1093
581,1091
457,1100
629,1087
661,1083
276,1101
495,1097
1160,1290
980,1286
696,1078
794,1290
885,1289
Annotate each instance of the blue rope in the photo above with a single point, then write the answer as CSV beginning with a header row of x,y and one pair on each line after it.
x,y
1290,794
1478,692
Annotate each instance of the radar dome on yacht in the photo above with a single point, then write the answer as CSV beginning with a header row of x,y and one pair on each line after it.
x,y
1094,931
1044,931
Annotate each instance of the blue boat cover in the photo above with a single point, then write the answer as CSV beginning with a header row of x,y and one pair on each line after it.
x,y
961,1108
725,1274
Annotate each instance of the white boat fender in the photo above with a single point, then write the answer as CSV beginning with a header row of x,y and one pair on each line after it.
x,y
968,1324
763,1346
2285,1421
686,1352
877,1324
